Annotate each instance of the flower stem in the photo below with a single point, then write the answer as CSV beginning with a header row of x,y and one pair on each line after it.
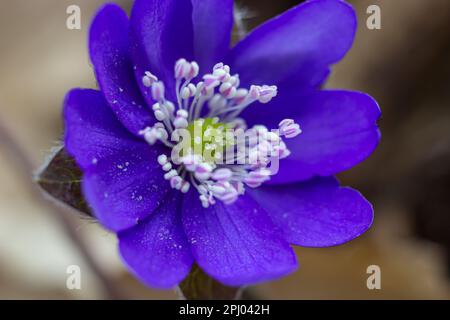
x,y
199,286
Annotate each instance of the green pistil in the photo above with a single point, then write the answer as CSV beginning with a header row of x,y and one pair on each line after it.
x,y
209,138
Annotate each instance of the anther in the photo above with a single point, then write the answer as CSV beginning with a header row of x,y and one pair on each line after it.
x,y
255,178
159,114
149,79
188,91
210,81
234,80
158,91
185,186
289,128
186,70
169,175
162,159
228,90
176,182
267,93
150,135
223,174
181,119
240,96
203,171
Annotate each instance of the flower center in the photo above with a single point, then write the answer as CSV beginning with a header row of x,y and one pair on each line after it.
x,y
211,147
208,139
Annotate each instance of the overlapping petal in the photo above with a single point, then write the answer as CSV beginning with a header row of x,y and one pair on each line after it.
x,y
157,250
125,189
339,131
236,244
161,32
109,51
297,47
213,23
122,180
93,133
317,213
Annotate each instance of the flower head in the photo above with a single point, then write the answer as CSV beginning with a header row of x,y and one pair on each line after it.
x,y
180,146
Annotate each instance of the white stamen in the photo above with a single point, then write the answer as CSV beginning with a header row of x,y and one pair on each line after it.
x,y
240,96
180,68
237,123
223,174
186,70
189,91
158,91
272,137
150,136
203,171
175,182
228,90
220,91
149,79
167,166
159,115
182,114
162,159
181,119
234,80
185,186
257,177
210,81
194,70
169,175
289,128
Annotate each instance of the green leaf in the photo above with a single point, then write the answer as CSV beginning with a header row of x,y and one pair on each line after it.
x,y
61,179
199,286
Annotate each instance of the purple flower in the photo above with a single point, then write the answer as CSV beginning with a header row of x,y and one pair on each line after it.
x,y
169,68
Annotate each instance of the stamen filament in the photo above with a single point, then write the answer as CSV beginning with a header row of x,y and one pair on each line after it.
x,y
217,166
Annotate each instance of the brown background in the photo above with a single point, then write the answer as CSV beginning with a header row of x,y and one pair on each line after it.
x,y
406,66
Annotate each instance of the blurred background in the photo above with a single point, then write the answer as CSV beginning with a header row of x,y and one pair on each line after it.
x,y
405,66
